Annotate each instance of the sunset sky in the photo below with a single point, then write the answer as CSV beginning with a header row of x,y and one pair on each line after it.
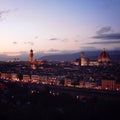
x,y
58,26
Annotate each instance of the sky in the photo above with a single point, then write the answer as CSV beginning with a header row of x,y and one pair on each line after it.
x,y
58,26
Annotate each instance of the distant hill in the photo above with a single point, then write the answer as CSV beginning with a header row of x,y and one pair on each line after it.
x,y
92,55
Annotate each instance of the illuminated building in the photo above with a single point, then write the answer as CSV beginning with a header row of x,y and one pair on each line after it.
x,y
68,82
32,61
26,78
14,77
5,75
110,84
84,62
103,59
35,78
31,56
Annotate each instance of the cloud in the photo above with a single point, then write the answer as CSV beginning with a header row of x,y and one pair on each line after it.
x,y
53,50
3,12
15,42
53,39
90,48
12,53
76,40
110,36
104,30
21,55
29,43
106,36
65,40
36,37
59,39
106,42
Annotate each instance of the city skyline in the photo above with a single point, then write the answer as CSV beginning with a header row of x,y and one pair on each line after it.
x,y
55,26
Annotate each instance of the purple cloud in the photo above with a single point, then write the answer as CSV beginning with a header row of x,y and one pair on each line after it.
x,y
104,30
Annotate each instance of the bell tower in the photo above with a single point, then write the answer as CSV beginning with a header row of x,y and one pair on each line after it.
x,y
83,60
31,56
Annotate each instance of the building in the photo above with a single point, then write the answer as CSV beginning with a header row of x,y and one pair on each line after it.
x,y
14,77
33,62
68,82
110,84
26,78
31,59
103,59
6,75
35,78
84,62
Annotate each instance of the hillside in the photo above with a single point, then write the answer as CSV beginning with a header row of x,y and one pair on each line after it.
x,y
92,55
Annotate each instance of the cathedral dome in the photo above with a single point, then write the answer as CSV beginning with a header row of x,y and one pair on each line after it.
x,y
103,57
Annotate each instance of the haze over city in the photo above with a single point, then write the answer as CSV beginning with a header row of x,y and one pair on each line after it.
x,y
58,26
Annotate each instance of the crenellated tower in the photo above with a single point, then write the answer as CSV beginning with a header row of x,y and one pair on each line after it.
x,y
31,56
